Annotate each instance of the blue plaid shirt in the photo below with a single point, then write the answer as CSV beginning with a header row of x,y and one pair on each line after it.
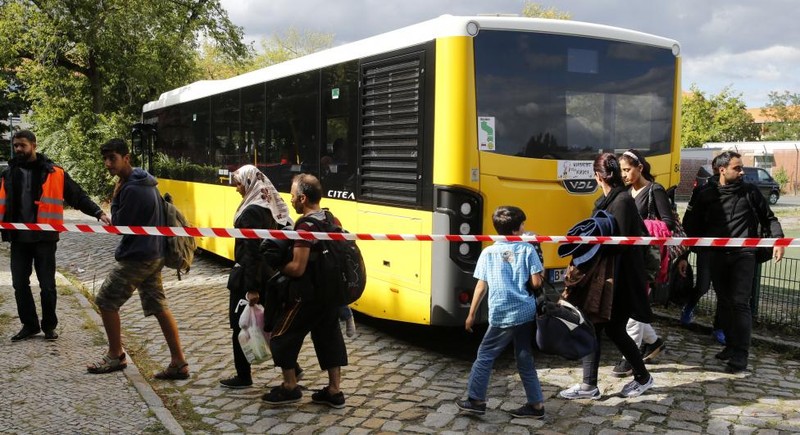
x,y
506,267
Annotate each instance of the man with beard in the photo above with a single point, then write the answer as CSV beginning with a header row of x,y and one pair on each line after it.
x,y
728,207
33,190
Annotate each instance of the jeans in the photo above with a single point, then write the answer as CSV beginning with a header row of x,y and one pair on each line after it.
x,y
26,257
492,345
732,273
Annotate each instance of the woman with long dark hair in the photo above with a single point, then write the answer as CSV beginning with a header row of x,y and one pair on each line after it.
x,y
629,288
652,202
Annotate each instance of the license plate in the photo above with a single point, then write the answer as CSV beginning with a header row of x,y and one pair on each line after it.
x,y
556,275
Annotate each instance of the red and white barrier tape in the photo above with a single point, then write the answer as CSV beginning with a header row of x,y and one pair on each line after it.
x,y
245,233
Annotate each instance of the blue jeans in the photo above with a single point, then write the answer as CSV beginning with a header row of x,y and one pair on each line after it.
x,y
492,345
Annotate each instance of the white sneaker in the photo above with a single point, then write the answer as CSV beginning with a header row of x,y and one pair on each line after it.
x,y
633,388
576,392
350,329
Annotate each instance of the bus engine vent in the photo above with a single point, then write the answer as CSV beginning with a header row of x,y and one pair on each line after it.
x,y
391,130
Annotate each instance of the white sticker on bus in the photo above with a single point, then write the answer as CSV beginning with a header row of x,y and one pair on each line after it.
x,y
575,170
486,139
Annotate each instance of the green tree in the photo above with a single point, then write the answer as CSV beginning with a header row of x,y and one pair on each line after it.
x,y
783,116
291,44
88,66
536,10
716,118
214,64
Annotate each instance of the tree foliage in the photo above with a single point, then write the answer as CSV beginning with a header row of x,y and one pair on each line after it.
x,y
536,10
783,116
716,118
88,66
213,64
291,44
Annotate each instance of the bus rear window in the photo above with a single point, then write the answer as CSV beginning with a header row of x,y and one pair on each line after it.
x,y
571,97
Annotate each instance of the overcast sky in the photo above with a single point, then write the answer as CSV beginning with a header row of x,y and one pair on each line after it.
x,y
751,46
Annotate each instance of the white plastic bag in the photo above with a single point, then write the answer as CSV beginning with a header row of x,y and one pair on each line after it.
x,y
252,337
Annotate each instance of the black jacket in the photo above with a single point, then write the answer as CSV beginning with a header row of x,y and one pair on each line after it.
x,y
630,279
733,210
247,256
74,196
660,205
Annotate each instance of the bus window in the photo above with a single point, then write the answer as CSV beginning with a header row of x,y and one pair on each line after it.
x,y
340,114
292,124
572,97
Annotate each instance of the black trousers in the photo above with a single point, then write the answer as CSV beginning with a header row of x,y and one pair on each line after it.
x,y
732,273
25,257
703,284
616,330
296,321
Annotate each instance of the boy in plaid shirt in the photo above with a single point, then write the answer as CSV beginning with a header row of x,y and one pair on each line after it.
x,y
503,270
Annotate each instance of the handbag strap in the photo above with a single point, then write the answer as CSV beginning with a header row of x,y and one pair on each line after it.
x,y
651,213
763,231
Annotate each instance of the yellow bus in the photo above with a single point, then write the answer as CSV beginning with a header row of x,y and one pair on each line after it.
x,y
426,130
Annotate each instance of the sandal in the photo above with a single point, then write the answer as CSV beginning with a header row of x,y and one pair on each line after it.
x,y
107,365
174,373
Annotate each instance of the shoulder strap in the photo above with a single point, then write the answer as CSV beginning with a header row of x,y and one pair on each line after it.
x,y
763,228
651,211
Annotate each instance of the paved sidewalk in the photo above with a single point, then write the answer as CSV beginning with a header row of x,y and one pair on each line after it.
x,y
44,386
400,379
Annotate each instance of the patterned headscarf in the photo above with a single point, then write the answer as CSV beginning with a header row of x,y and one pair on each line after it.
x,y
259,190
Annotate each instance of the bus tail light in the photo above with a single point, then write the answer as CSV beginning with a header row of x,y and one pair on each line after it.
x,y
464,297
465,210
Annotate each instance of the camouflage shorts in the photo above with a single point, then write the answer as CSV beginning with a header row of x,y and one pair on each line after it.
x,y
127,276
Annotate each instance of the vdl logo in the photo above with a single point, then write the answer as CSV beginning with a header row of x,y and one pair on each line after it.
x,y
580,186
341,194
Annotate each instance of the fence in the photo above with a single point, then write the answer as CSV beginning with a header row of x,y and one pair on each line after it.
x,y
776,298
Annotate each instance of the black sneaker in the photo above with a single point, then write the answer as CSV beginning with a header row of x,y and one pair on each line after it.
x,y
323,397
623,369
51,335
282,396
236,383
725,355
651,351
25,333
528,411
736,364
471,406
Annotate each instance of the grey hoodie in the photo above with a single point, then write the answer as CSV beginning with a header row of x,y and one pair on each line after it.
x,y
138,203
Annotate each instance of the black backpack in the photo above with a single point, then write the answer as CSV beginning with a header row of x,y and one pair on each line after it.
x,y
338,271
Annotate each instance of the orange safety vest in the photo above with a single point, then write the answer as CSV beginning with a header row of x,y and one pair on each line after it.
x,y
50,205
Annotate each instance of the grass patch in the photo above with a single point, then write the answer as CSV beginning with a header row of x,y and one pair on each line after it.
x,y
5,320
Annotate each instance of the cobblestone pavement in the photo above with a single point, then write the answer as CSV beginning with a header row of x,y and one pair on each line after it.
x,y
401,378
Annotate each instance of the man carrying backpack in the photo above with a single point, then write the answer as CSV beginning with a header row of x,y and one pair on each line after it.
x,y
307,310
135,202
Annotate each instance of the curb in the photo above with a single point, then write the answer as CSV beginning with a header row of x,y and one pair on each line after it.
x,y
154,403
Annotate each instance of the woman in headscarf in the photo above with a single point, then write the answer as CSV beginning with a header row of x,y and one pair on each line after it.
x,y
629,284
261,208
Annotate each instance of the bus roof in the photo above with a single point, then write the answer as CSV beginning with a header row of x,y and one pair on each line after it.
x,y
443,26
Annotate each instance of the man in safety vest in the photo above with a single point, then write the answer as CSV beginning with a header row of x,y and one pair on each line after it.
x,y
33,190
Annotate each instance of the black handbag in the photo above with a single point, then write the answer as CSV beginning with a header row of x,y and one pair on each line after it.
x,y
561,329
